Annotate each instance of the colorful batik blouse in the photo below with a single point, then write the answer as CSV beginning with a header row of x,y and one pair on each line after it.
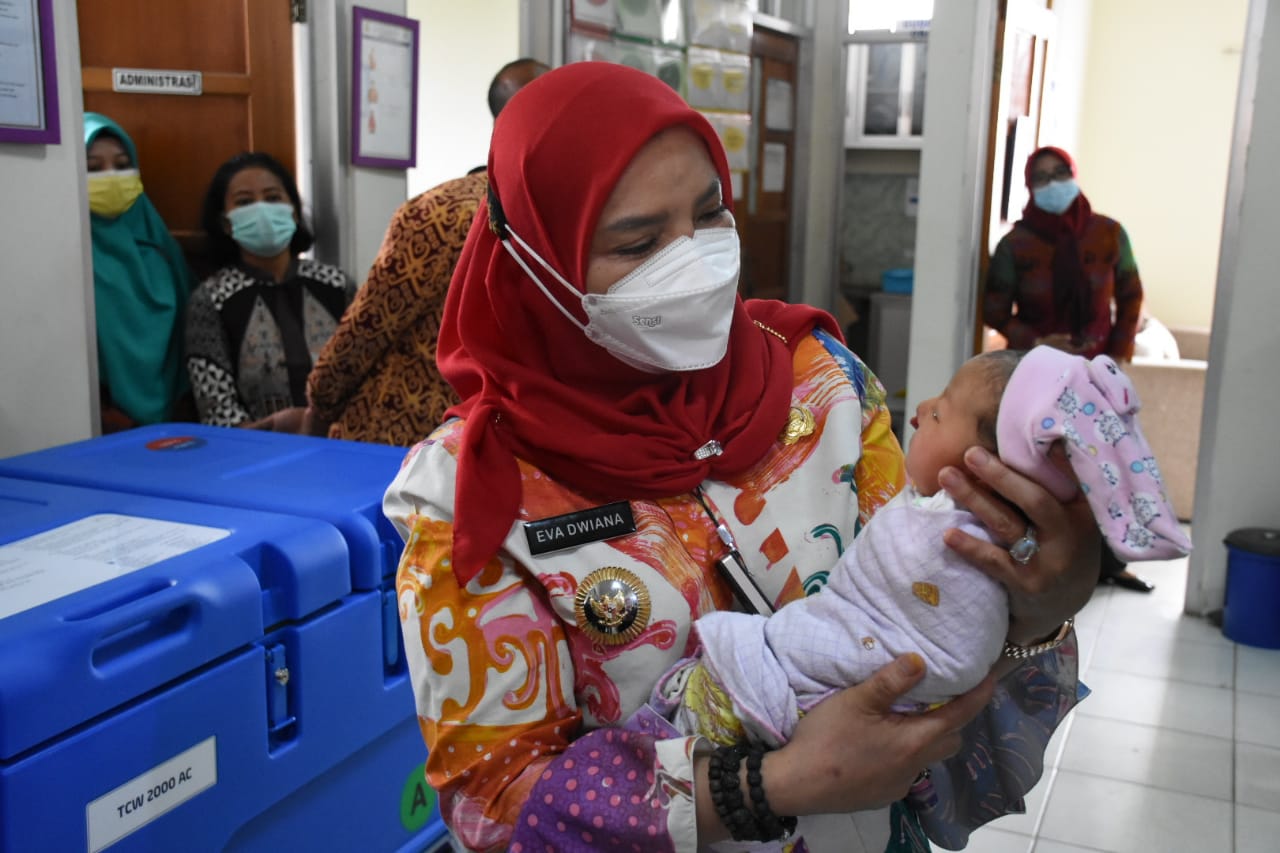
x,y
537,715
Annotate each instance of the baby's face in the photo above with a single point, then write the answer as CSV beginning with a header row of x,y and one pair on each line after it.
x,y
946,426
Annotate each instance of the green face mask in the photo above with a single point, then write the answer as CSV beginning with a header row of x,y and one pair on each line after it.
x,y
264,228
112,193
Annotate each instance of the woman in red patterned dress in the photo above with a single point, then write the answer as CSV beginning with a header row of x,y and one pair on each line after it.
x,y
631,436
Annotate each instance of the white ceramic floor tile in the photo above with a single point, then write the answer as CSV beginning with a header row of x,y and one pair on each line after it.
x,y
1156,702
1256,830
1169,577
1258,719
1133,613
988,840
1105,814
1147,755
842,832
1046,846
1258,670
1178,748
1258,776
1053,752
1086,646
1200,629
1128,607
1025,824
1091,617
1163,655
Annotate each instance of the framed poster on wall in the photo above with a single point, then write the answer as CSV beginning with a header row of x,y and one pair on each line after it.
x,y
384,89
28,73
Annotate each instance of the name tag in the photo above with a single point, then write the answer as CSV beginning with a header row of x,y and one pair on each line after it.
x,y
578,528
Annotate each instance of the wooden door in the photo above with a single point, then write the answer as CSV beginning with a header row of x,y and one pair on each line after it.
x,y
1017,103
764,220
243,49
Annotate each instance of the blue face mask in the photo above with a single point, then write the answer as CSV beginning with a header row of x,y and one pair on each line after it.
x,y
1056,196
263,228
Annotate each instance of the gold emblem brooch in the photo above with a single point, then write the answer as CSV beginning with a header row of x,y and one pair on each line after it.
x,y
799,424
612,606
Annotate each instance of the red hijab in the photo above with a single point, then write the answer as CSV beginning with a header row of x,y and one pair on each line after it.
x,y
532,385
1063,230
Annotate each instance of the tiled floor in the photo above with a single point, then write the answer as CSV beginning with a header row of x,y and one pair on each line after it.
x,y
1178,747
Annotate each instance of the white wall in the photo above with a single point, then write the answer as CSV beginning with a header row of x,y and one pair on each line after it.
x,y
820,134
1155,137
1238,480
350,206
462,46
48,366
952,186
1067,61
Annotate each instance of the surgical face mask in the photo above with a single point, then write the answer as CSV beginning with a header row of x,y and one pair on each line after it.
x,y
671,313
112,193
1056,196
263,228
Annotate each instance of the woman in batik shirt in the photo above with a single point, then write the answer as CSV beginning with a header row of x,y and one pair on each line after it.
x,y
630,429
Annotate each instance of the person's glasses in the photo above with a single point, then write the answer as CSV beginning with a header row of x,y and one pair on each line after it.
x,y
1040,178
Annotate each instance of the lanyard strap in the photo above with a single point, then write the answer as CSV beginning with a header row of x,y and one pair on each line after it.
x,y
733,568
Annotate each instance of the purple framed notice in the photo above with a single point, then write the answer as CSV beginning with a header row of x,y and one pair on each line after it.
x,y
28,73
384,89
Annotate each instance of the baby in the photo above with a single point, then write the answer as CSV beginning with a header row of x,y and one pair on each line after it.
x,y
899,588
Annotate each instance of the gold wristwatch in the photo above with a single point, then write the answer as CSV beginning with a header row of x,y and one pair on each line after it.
x,y
1013,650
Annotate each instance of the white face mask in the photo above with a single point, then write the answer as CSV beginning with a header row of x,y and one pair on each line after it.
x,y
671,313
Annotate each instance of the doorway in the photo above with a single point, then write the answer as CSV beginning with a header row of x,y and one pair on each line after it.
x,y
243,54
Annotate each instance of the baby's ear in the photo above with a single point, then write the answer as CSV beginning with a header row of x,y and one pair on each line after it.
x,y
1116,388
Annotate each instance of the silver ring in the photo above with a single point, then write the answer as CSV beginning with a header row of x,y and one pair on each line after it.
x,y
1025,548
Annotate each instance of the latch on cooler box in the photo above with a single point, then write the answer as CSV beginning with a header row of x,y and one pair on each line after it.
x,y
279,714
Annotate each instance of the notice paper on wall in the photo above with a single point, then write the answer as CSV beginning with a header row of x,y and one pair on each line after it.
x,y
387,89
87,552
777,105
773,177
21,99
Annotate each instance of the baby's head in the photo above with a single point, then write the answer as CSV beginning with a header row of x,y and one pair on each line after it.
x,y
962,416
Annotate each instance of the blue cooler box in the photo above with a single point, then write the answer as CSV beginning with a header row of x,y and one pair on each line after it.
x,y
183,676
338,482
341,482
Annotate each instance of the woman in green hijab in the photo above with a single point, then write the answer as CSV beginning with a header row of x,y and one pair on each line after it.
x,y
140,285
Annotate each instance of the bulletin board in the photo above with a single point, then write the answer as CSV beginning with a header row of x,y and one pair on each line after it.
x,y
28,73
384,89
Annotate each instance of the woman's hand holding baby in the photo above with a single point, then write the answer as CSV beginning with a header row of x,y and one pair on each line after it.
x,y
1060,577
852,752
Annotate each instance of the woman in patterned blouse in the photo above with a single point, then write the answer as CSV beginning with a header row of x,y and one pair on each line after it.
x,y
629,428
1064,276
256,325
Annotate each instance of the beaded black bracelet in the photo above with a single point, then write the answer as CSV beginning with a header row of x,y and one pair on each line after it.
x,y
757,824
726,793
772,827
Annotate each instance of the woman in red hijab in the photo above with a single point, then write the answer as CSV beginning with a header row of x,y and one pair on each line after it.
x,y
635,447
1064,276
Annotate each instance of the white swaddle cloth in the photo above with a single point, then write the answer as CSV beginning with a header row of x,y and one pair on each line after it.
x,y
897,589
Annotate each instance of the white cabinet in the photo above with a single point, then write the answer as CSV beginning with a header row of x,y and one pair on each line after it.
x,y
885,94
